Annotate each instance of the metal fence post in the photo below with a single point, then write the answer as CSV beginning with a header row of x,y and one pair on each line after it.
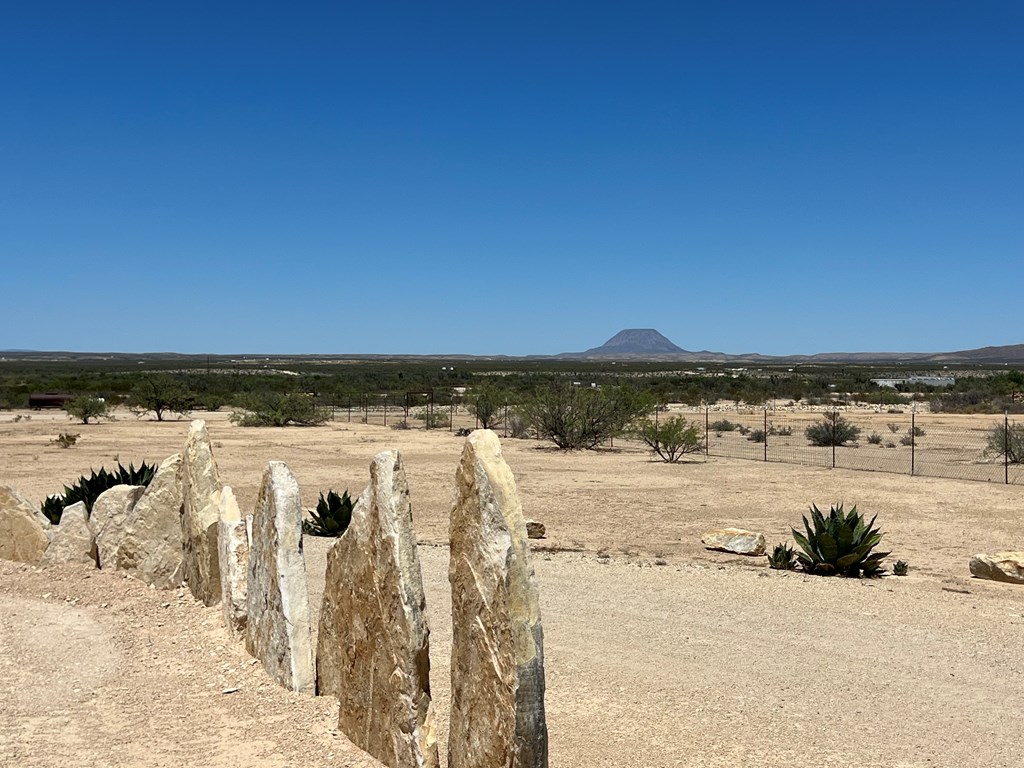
x,y
1006,447
707,432
766,432
505,433
913,439
835,418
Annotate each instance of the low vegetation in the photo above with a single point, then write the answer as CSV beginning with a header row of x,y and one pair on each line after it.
x,y
66,439
833,429
274,409
331,517
900,568
671,439
782,558
88,489
86,408
576,418
841,544
1006,441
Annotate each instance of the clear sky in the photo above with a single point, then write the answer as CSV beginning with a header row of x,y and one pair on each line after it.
x,y
511,178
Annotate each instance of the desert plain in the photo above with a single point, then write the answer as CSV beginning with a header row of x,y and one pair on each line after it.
x,y
658,652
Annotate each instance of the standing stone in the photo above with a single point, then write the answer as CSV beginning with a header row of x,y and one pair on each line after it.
x,y
23,535
497,716
108,518
72,541
278,631
150,548
233,550
200,487
373,648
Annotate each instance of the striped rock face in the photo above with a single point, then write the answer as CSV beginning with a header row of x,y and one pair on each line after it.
x,y
497,714
277,628
373,647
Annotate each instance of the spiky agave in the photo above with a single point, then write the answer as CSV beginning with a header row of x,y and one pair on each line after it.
x,y
782,558
331,516
88,489
841,544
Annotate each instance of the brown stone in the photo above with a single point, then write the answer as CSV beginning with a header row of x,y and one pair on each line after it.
x,y
71,541
151,548
200,487
24,534
373,649
1001,566
735,540
497,716
277,631
535,529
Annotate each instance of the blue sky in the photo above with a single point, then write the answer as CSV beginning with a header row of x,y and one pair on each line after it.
x,y
522,178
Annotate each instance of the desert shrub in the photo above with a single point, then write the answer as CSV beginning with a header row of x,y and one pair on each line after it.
x,y
463,432
433,419
890,444
576,418
782,558
160,395
784,431
893,427
841,544
916,431
671,439
722,425
65,439
517,425
900,568
331,517
86,408
400,425
88,489
275,409
756,436
487,403
907,439
1006,441
743,429
833,429
875,439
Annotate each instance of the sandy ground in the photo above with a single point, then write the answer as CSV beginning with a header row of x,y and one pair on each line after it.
x,y
708,660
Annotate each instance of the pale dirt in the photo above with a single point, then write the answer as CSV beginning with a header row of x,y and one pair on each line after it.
x,y
708,660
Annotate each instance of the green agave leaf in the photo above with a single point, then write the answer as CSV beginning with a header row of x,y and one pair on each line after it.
x,y
805,545
828,548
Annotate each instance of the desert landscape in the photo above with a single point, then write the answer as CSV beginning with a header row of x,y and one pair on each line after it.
x,y
658,652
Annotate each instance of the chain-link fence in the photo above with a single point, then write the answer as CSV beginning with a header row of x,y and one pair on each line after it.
x,y
988,448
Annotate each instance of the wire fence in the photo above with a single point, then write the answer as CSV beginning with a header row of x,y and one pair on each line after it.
x,y
985,448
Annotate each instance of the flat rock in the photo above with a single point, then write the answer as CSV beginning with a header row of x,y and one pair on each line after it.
x,y
278,632
151,547
735,540
497,667
535,529
1001,566
72,541
108,518
23,535
373,648
233,550
200,488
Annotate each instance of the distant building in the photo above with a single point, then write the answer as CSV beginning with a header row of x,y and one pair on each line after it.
x,y
920,381
40,400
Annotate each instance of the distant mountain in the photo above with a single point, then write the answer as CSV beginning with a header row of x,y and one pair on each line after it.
x,y
635,341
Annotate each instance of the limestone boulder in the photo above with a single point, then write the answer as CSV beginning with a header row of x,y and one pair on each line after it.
x,y
233,551
72,541
1001,566
24,534
110,513
735,540
497,667
200,488
278,632
535,529
151,547
373,648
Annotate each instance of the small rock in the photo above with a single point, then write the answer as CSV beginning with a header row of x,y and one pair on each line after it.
x,y
735,540
1001,566
535,529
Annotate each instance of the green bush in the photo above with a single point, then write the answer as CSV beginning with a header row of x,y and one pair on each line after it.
x,y
782,558
833,429
85,408
331,516
900,568
487,404
576,418
784,431
274,409
756,436
160,395
671,439
841,544
1007,441
88,489
875,439
722,425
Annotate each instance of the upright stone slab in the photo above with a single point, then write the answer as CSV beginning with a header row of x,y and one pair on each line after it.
x,y
497,716
233,550
278,631
373,647
72,541
108,518
200,487
151,548
24,534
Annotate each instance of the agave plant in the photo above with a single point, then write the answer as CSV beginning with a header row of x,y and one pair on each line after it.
x,y
841,544
331,516
900,568
88,489
782,558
